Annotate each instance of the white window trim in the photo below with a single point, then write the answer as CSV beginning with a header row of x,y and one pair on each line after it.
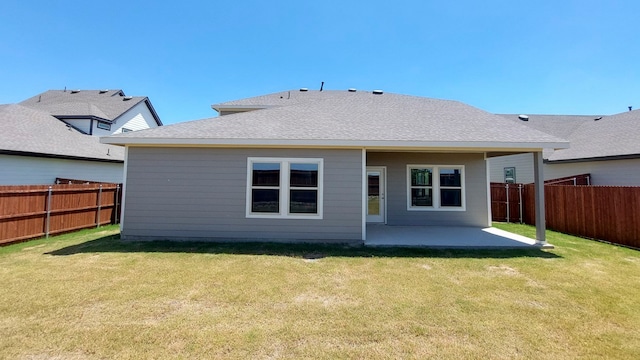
x,y
436,188
285,186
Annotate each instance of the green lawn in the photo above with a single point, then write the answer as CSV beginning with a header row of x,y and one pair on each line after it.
x,y
90,296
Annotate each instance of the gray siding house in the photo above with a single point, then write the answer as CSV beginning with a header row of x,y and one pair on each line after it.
x,y
55,135
606,147
318,166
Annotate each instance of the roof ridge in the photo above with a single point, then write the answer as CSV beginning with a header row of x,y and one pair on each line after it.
x,y
99,103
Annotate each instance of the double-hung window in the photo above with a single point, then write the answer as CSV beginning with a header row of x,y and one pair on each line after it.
x,y
421,186
284,188
435,187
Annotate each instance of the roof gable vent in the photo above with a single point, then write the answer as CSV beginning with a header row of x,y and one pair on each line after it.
x,y
304,89
523,117
352,90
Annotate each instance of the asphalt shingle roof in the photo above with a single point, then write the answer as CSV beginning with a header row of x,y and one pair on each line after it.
x,y
348,117
615,135
283,98
23,129
610,136
105,104
558,125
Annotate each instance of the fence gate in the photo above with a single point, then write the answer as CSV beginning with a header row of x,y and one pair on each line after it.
x,y
506,202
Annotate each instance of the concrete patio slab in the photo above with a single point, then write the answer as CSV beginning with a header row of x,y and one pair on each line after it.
x,y
447,237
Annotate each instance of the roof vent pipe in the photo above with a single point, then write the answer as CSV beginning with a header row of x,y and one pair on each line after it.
x,y
378,92
303,89
523,117
321,86
351,90
630,108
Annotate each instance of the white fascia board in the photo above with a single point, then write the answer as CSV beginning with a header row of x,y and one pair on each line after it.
x,y
370,144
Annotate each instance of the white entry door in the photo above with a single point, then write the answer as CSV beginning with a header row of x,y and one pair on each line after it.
x,y
376,197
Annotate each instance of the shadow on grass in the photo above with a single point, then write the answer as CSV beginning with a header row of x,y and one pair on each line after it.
x,y
113,244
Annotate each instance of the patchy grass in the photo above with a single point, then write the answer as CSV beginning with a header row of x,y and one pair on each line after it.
x,y
89,295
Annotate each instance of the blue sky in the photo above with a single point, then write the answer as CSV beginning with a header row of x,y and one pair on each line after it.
x,y
532,57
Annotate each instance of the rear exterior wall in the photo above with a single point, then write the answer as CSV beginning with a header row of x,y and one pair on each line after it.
x,y
476,212
200,194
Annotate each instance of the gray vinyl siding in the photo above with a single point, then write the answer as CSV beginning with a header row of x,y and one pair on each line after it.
x,y
200,193
522,162
623,172
477,211
83,125
29,170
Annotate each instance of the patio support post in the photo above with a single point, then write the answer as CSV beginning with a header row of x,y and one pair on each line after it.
x,y
364,194
538,175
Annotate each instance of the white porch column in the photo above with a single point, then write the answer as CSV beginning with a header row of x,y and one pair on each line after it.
x,y
124,187
364,194
538,176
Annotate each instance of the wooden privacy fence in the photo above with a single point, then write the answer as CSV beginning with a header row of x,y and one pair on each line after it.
x,y
507,202
582,179
610,213
32,211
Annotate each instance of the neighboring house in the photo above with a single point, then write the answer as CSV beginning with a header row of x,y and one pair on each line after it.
x,y
317,166
97,112
56,135
607,147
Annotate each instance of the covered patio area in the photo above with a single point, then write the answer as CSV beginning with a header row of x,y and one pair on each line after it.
x,y
447,237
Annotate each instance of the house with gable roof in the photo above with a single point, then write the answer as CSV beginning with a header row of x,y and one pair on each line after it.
x,y
606,147
56,135
319,166
97,112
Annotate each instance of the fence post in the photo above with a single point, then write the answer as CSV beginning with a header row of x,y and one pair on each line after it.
x,y
507,187
99,206
48,220
520,200
117,210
